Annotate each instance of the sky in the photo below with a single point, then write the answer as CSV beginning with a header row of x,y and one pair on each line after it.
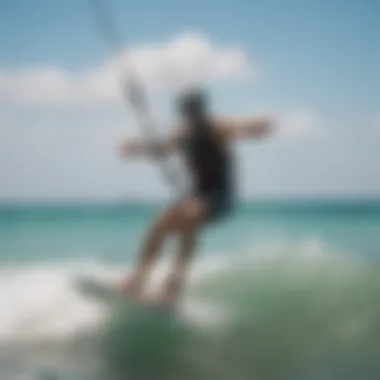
x,y
312,65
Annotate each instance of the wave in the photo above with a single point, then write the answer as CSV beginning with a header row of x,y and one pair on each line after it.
x,y
275,312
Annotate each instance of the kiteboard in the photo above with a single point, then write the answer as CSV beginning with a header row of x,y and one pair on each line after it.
x,y
108,294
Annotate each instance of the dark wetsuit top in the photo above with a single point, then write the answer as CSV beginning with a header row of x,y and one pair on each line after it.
x,y
210,163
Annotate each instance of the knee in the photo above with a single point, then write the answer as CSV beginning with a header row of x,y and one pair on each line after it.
x,y
165,222
185,218
192,216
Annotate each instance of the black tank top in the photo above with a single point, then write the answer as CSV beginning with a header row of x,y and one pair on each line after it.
x,y
209,161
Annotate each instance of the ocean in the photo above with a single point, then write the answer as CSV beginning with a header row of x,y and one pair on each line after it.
x,y
278,291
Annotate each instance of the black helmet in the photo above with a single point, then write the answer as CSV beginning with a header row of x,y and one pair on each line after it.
x,y
192,102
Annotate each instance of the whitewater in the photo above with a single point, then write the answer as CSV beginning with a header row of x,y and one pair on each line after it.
x,y
297,305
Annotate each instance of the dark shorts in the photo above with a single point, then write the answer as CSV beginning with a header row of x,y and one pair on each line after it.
x,y
218,205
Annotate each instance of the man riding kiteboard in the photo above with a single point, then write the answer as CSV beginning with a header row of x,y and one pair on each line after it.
x,y
205,143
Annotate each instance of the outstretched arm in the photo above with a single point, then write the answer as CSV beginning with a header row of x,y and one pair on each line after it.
x,y
163,148
252,128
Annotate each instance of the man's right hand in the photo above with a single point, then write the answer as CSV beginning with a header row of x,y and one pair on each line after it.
x,y
163,148
133,148
130,148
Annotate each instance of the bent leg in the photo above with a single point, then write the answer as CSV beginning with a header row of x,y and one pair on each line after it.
x,y
148,255
175,282
190,221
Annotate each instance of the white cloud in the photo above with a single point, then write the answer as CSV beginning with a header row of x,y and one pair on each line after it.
x,y
181,61
298,124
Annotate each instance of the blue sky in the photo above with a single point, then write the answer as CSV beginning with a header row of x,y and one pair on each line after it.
x,y
313,64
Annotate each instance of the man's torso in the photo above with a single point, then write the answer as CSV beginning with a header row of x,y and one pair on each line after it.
x,y
209,159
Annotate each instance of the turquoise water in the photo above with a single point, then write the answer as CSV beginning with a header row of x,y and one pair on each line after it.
x,y
114,232
277,291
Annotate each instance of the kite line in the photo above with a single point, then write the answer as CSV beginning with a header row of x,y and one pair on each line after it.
x,y
133,90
